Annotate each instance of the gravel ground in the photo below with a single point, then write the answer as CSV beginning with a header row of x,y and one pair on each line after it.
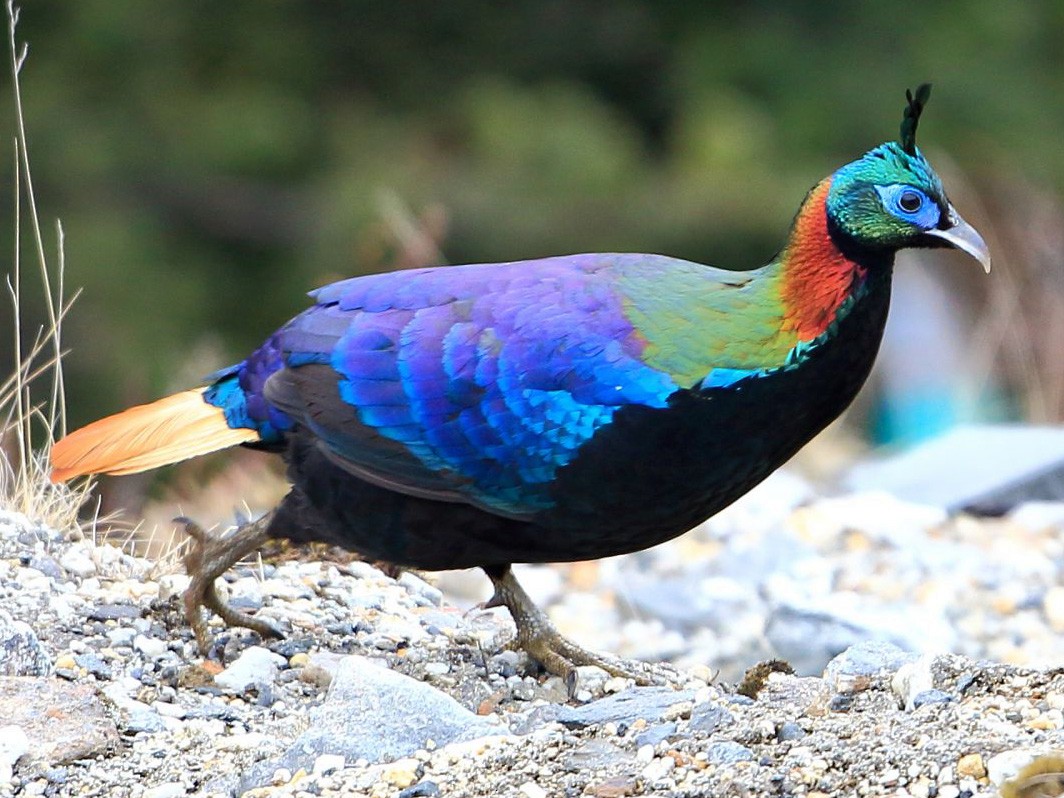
x,y
920,643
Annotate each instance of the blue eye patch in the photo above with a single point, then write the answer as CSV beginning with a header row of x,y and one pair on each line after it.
x,y
909,204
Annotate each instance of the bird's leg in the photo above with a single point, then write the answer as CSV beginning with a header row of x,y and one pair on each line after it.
x,y
209,557
559,655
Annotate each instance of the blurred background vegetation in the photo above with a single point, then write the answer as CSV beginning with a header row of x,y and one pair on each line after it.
x,y
211,162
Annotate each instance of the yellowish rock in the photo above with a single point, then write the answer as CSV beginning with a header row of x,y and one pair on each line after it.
x,y
1043,723
299,659
971,765
1053,607
65,662
402,773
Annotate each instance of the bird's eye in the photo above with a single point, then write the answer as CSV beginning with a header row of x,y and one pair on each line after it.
x,y
909,204
910,201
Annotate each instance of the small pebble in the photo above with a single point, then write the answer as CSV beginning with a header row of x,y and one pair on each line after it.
x,y
403,772
727,753
423,789
971,765
790,730
658,768
926,697
242,742
149,646
170,789
532,790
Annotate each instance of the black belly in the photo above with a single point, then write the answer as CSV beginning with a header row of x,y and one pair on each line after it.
x,y
648,476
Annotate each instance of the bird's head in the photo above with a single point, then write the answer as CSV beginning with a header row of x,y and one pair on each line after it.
x,y
891,198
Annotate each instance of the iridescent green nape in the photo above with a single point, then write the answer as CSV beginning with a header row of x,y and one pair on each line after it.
x,y
909,121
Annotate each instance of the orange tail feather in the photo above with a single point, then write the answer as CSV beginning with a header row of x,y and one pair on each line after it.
x,y
145,437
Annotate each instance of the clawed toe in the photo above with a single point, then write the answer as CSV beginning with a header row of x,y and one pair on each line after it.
x,y
207,558
537,636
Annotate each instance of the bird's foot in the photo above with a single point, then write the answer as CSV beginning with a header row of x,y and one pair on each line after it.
x,y
210,556
561,656
539,638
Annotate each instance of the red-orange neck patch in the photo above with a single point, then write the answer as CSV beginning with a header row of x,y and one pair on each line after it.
x,y
816,277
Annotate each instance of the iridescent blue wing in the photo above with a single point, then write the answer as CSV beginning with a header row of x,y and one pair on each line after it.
x,y
472,383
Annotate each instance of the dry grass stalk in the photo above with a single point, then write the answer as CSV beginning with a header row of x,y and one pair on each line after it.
x,y
29,425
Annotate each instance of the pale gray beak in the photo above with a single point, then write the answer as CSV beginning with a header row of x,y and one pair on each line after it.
x,y
964,237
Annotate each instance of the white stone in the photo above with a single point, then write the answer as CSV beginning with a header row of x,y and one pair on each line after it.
x,y
13,744
532,790
121,636
285,590
1004,766
913,678
1053,607
77,562
255,666
659,768
150,646
418,586
173,585
169,710
328,763
170,789
1039,516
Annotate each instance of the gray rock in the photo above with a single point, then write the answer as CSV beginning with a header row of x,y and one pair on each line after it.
x,y
21,653
137,717
123,636
810,637
985,468
789,731
143,722
657,733
855,669
728,753
94,664
624,708
597,755
376,714
63,722
47,565
931,697
114,612
707,717
423,789
794,695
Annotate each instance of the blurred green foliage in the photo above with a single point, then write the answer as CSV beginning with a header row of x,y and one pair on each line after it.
x,y
213,161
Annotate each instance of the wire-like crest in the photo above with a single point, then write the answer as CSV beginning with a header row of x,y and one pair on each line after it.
x,y
909,121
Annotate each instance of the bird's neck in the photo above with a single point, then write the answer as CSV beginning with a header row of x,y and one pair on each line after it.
x,y
816,277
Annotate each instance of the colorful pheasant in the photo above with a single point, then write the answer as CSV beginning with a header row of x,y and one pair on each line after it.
x,y
549,410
